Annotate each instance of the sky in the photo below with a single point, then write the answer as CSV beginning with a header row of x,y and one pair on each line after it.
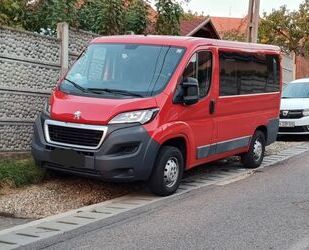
x,y
236,8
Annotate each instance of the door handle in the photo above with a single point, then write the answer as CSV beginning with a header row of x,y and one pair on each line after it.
x,y
212,107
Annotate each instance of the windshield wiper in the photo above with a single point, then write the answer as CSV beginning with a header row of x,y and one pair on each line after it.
x,y
76,85
85,90
99,90
116,91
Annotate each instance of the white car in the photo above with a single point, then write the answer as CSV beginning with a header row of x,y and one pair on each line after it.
x,y
294,111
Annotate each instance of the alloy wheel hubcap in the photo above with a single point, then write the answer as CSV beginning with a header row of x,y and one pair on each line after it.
x,y
171,172
257,150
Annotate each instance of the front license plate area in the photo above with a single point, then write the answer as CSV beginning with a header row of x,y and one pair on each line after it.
x,y
68,158
286,124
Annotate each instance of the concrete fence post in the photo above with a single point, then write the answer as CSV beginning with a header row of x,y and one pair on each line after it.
x,y
63,35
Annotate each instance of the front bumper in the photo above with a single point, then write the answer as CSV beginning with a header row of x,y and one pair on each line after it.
x,y
300,128
112,161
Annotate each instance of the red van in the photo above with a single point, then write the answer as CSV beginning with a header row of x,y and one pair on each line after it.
x,y
150,107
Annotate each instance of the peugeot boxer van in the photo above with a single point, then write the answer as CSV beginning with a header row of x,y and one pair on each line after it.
x,y
150,107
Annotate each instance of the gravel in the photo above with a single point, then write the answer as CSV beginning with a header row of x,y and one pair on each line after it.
x,y
58,195
64,193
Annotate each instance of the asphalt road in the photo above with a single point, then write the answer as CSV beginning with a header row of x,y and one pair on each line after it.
x,y
269,210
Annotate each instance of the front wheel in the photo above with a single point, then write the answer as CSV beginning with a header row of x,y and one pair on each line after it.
x,y
167,172
254,157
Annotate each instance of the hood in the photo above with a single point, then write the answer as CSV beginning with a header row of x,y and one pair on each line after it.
x,y
294,103
93,110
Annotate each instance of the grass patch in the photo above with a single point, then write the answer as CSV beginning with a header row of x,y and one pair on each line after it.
x,y
17,173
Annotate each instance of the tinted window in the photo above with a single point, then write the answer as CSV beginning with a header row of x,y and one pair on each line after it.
x,y
200,68
296,90
244,73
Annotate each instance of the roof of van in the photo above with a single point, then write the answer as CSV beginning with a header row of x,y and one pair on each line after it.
x,y
302,80
183,41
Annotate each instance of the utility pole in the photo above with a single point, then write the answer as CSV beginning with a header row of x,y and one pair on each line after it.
x,y
253,21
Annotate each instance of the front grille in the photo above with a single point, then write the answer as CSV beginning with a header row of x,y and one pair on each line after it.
x,y
292,114
74,135
299,129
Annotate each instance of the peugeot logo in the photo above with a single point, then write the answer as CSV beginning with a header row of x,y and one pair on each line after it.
x,y
285,113
77,115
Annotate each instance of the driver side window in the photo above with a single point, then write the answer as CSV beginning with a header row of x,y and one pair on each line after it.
x,y
200,68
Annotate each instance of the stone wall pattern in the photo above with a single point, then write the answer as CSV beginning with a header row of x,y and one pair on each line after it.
x,y
20,106
15,137
29,69
78,40
29,46
17,75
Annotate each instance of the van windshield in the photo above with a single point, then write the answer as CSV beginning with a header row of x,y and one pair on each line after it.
x,y
122,70
296,90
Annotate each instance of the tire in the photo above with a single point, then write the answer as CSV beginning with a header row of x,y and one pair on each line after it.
x,y
254,157
167,172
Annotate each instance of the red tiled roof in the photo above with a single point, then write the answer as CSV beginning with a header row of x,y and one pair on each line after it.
x,y
186,26
227,24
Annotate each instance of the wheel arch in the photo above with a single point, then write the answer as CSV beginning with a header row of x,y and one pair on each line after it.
x,y
179,142
264,130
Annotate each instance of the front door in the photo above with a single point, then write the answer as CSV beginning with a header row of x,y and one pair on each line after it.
x,y
199,116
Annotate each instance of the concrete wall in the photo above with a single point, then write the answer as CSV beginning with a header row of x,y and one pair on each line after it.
x,y
288,68
29,69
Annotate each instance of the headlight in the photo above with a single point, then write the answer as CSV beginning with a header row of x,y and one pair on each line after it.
x,y
306,112
47,107
139,116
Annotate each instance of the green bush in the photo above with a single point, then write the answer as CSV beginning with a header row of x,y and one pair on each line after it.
x,y
20,172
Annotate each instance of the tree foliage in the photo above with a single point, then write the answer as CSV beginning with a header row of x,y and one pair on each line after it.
x,y
107,17
136,18
102,16
11,12
234,35
45,14
288,29
169,16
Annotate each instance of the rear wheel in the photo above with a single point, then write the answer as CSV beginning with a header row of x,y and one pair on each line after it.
x,y
254,157
167,171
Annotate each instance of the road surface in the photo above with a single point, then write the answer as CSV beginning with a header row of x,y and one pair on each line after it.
x,y
269,210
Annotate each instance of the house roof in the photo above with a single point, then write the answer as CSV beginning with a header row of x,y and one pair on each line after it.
x,y
197,25
186,26
228,24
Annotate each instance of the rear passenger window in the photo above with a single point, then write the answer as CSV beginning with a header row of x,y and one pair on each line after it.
x,y
245,73
200,68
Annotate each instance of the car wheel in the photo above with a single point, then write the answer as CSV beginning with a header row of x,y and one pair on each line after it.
x,y
254,157
167,172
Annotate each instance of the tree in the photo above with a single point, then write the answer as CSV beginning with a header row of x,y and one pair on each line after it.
x,y
234,35
102,16
169,16
43,16
287,29
11,12
136,18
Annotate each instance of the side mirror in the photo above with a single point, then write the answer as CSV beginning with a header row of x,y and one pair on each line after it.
x,y
190,90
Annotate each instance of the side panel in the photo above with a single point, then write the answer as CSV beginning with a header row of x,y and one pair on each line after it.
x,y
239,116
240,113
